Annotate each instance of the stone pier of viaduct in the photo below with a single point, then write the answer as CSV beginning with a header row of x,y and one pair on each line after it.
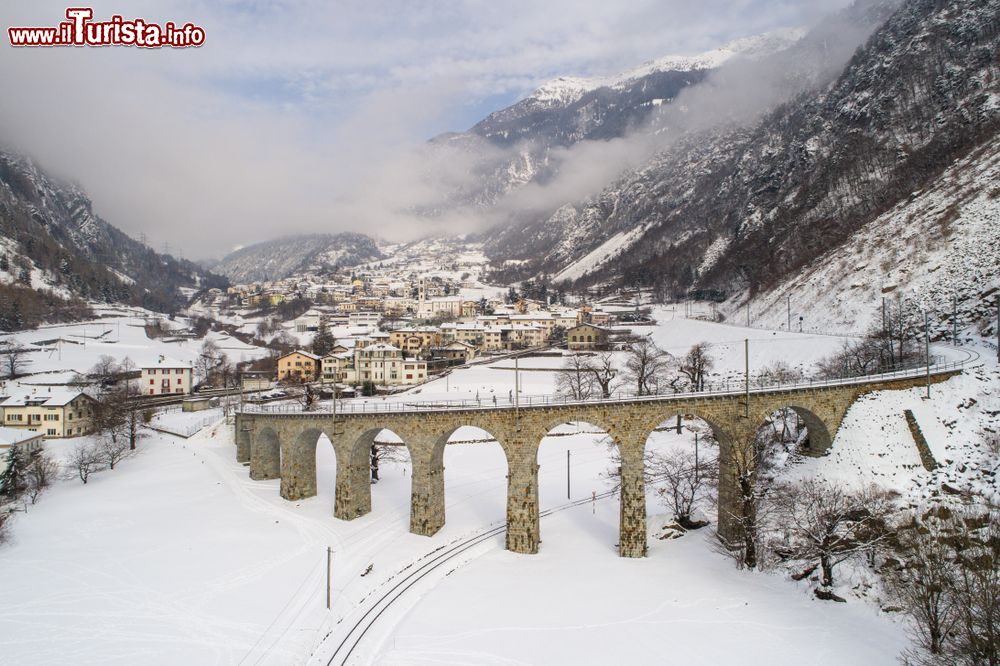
x,y
283,445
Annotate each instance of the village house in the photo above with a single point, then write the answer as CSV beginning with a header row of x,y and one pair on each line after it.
x,y
298,366
415,340
469,333
384,365
587,337
166,376
53,413
455,352
26,440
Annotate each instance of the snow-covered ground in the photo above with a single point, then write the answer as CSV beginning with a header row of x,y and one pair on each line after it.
x,y
176,556
67,348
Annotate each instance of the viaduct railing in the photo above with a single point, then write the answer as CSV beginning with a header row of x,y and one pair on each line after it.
x,y
719,389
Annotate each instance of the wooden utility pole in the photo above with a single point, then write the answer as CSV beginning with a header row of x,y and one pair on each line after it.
x,y
746,374
927,352
329,563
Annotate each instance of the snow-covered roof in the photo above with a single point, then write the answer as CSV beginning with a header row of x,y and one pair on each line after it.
x,y
304,353
12,436
165,362
21,396
380,347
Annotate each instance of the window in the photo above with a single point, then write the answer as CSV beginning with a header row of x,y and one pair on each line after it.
x,y
151,382
51,417
50,431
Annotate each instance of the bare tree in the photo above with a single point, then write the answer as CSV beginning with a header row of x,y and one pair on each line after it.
x,y
383,452
13,358
923,587
747,460
105,371
688,482
602,368
5,519
84,460
696,365
825,524
40,473
112,450
575,381
950,586
646,366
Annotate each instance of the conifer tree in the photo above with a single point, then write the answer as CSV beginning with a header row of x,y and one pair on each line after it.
x,y
14,477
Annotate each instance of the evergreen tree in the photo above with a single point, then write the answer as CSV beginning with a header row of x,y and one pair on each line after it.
x,y
324,341
4,263
14,477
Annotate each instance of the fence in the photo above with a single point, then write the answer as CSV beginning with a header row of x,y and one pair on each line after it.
x,y
717,390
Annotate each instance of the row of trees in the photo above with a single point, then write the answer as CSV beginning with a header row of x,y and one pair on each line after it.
x,y
647,370
25,476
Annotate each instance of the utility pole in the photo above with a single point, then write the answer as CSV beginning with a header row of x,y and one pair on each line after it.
x,y
954,320
517,384
927,352
696,457
567,473
748,313
329,563
746,374
788,302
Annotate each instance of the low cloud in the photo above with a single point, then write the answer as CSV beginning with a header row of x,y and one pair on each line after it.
x,y
305,116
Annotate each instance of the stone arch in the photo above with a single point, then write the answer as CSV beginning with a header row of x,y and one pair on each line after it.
x,y
265,455
353,451
597,432
427,497
298,464
634,539
820,438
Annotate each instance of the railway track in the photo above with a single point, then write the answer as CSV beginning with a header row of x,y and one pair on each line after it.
x,y
355,634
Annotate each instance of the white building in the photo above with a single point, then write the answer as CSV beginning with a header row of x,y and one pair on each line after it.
x,y
166,376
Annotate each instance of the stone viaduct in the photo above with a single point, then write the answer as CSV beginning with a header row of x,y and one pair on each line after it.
x,y
283,445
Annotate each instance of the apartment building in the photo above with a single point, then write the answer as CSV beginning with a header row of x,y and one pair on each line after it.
x,y
298,365
166,376
51,412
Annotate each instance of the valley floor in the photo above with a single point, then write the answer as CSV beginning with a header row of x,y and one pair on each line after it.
x,y
177,556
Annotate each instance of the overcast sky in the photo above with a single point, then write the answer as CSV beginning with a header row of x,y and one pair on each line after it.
x,y
291,104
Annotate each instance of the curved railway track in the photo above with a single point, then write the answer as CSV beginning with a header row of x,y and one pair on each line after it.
x,y
356,633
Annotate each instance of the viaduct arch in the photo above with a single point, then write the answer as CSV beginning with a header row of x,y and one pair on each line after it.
x,y
284,445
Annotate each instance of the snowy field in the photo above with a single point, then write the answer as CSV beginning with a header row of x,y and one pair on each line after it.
x,y
176,556
67,348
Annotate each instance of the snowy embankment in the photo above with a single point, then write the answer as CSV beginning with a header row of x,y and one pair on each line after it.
x,y
942,243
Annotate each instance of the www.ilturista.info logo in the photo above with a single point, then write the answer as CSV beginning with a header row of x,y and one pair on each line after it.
x,y
80,30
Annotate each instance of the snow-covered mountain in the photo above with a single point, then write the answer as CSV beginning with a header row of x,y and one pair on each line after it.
x,y
739,208
566,90
294,255
51,240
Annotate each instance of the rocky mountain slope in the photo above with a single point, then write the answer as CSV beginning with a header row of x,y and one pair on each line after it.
x,y
742,208
526,143
292,255
51,240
